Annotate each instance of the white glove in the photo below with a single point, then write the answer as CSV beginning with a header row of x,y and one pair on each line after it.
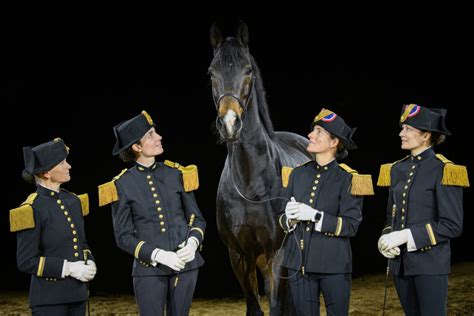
x,y
393,239
188,252
388,253
94,268
306,212
292,209
79,270
170,259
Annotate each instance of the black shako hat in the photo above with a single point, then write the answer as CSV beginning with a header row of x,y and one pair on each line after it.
x,y
45,156
335,125
129,132
425,119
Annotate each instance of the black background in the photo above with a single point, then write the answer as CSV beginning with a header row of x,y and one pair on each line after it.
x,y
75,76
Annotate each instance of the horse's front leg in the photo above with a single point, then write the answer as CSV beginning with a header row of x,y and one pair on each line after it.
x,y
245,270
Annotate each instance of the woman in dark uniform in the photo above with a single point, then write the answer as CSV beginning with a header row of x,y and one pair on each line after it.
x,y
52,244
324,211
426,195
156,219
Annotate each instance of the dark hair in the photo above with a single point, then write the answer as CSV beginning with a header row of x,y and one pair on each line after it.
x,y
129,155
437,138
341,151
28,177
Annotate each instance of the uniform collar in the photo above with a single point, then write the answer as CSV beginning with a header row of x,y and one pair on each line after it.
x,y
142,168
333,164
428,153
47,192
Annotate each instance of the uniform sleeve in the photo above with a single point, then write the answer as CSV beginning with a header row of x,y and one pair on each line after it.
x,y
124,229
29,257
350,214
191,208
447,222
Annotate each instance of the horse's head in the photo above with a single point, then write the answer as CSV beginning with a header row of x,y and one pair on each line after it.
x,y
233,78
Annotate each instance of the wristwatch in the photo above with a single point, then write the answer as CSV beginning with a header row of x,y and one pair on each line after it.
x,y
317,217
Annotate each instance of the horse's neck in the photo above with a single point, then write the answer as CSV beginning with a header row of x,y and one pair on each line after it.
x,y
254,152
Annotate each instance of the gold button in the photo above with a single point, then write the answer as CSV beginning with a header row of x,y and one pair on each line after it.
x,y
66,213
314,188
72,225
413,167
162,223
74,232
312,193
404,194
403,218
419,158
62,207
411,173
52,193
159,209
150,182
153,189
318,176
157,202
75,247
325,168
403,210
74,239
163,230
403,201
69,219
59,201
405,187
148,177
317,167
316,181
310,200
76,254
409,180
307,229
160,216
403,226
155,195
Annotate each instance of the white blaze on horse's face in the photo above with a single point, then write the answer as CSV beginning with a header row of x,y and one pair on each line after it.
x,y
229,121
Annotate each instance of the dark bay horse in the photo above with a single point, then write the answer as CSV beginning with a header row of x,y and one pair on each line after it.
x,y
252,170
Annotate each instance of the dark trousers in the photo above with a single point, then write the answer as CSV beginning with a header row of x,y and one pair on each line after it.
x,y
154,293
306,289
71,309
423,294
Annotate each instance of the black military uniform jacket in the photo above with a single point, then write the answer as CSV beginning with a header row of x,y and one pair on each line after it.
x,y
328,189
50,229
153,210
431,210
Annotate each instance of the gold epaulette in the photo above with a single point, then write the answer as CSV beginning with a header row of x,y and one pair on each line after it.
x,y
285,175
108,191
453,174
384,179
361,183
84,198
190,175
22,217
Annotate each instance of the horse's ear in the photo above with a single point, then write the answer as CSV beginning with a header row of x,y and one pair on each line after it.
x,y
243,34
216,36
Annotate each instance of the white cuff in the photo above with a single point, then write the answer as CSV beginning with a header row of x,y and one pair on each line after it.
x,y
319,225
65,272
411,241
153,255
195,240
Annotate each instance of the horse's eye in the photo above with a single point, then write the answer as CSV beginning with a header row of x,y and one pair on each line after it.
x,y
248,71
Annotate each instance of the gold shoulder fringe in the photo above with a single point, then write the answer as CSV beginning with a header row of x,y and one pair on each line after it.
x,y
361,183
384,179
285,175
22,217
453,174
108,191
190,175
84,198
